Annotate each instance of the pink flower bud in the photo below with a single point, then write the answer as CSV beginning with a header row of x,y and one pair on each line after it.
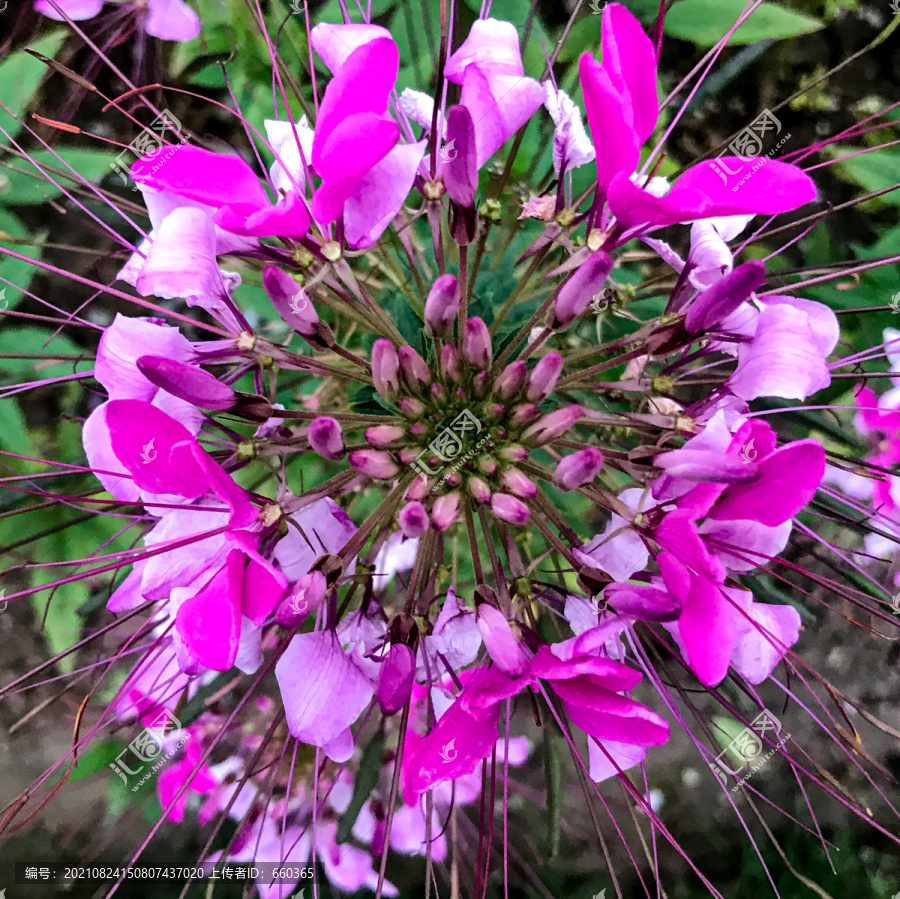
x,y
551,426
511,379
519,483
479,489
481,383
501,642
384,435
385,368
188,382
395,679
449,362
437,390
509,509
514,453
418,489
413,519
487,465
290,300
476,345
326,437
453,479
410,406
586,281
442,305
410,453
461,171
374,464
578,469
524,413
445,511
303,598
416,373
544,377
495,411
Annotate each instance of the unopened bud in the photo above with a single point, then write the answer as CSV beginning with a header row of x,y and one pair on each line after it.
x,y
413,520
479,489
374,464
511,379
410,407
449,362
385,368
544,377
523,414
476,345
519,483
551,426
385,435
188,382
416,373
576,294
442,305
445,511
326,437
578,469
291,301
509,509
303,598
395,679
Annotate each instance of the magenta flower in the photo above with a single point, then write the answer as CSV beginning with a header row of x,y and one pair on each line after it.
x,y
169,20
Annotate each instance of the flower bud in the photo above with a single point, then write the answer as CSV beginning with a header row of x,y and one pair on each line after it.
x,y
418,489
449,362
410,406
519,483
416,373
576,294
514,453
437,390
385,435
188,382
487,465
551,426
495,411
385,368
445,511
326,437
395,679
511,379
523,414
500,641
290,300
413,519
302,599
508,508
460,171
442,305
476,344
479,489
481,383
544,377
578,469
374,464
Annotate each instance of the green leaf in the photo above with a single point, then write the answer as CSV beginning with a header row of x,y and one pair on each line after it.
x,y
873,171
36,341
22,183
20,76
17,271
705,21
96,758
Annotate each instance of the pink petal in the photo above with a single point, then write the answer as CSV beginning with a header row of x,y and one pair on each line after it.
x,y
608,716
209,622
630,59
104,463
264,586
502,645
788,480
763,641
491,45
74,9
625,756
700,193
287,218
606,673
334,43
214,179
171,20
380,194
725,296
706,629
323,691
